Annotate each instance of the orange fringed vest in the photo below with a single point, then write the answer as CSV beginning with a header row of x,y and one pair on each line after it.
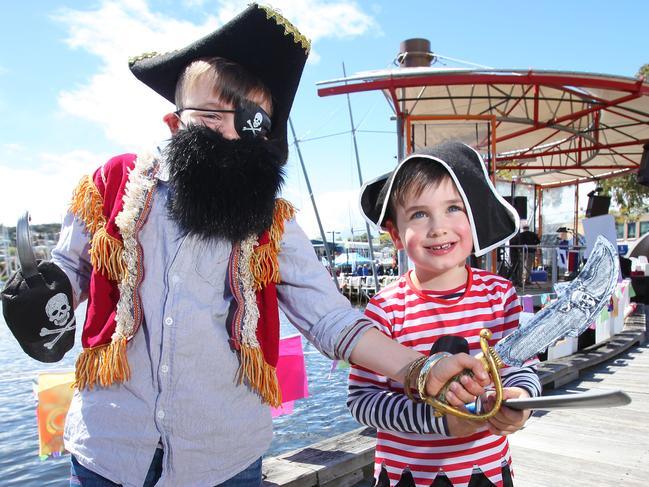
x,y
114,204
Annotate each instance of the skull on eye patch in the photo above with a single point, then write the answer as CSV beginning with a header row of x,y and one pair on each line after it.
x,y
250,120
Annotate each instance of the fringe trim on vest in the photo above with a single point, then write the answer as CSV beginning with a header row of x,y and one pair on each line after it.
x,y
106,255
103,365
138,194
264,264
262,376
87,205
105,250
257,267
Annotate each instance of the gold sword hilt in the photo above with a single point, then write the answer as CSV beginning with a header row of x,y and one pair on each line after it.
x,y
491,363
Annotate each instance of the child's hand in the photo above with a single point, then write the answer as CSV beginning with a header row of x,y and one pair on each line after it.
x,y
506,421
462,427
461,392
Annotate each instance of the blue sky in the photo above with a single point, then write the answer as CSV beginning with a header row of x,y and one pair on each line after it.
x,y
68,101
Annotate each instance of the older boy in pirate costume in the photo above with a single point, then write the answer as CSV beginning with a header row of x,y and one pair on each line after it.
x,y
184,255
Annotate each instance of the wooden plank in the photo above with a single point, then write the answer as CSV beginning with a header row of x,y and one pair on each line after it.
x,y
566,369
587,447
553,470
334,461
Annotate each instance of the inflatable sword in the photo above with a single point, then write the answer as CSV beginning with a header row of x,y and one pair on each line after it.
x,y
578,305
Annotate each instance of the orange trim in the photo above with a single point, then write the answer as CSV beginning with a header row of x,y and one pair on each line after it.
x,y
106,255
264,264
262,376
105,250
104,365
87,204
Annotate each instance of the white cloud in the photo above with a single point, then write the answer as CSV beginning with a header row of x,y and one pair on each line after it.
x,y
316,19
129,112
13,148
338,212
44,191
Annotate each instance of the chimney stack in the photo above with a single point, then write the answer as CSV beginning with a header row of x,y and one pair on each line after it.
x,y
415,53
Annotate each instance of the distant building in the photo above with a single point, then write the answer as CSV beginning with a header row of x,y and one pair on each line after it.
x,y
628,231
335,248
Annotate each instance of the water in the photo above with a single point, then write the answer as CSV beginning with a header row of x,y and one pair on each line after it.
x,y
320,416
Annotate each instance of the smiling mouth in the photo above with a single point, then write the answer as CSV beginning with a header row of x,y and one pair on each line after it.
x,y
444,246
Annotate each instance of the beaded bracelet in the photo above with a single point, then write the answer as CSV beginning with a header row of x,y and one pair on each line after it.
x,y
423,373
412,368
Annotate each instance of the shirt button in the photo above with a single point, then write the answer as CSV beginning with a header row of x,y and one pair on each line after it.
x,y
160,414
164,369
175,279
169,321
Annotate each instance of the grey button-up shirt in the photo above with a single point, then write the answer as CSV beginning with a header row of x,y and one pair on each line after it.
x,y
182,391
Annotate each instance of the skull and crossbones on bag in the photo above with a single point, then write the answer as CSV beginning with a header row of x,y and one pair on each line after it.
x,y
60,314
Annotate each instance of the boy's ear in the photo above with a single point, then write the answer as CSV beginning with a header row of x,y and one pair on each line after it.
x,y
394,235
172,121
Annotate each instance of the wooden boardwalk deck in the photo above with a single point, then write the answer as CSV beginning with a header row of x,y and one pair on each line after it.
x,y
575,448
591,447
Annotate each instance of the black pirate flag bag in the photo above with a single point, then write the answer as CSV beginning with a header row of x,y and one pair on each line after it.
x,y
37,304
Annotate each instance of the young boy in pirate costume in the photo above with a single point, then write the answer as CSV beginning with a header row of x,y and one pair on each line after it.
x,y
184,256
440,206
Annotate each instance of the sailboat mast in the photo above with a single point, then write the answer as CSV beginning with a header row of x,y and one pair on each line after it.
x,y
332,269
360,180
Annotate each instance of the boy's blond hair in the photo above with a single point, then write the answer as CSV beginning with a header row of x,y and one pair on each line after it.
x,y
230,80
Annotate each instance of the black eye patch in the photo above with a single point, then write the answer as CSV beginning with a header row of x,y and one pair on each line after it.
x,y
250,120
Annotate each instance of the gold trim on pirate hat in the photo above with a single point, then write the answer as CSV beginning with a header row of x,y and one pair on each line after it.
x,y
493,220
260,39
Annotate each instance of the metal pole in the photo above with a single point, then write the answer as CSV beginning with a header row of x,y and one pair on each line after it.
x,y
360,180
332,269
6,271
402,255
333,241
575,224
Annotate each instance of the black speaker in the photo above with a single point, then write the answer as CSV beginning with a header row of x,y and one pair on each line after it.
x,y
643,172
519,204
597,205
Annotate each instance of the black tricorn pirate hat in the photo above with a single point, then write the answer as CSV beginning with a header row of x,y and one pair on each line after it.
x,y
259,39
493,220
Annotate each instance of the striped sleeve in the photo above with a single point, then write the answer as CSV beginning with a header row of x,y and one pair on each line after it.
x,y
373,402
524,377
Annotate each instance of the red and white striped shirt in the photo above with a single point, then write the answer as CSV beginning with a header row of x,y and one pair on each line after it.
x,y
408,434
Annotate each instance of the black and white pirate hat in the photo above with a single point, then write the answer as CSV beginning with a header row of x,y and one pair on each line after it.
x,y
493,220
261,40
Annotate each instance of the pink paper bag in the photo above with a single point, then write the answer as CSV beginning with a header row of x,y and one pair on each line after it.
x,y
291,373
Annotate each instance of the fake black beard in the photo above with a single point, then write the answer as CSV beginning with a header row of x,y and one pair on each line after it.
x,y
220,188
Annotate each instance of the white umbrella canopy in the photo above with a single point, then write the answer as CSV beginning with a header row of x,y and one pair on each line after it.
x,y
549,128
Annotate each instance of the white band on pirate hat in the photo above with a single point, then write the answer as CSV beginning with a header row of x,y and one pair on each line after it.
x,y
493,220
